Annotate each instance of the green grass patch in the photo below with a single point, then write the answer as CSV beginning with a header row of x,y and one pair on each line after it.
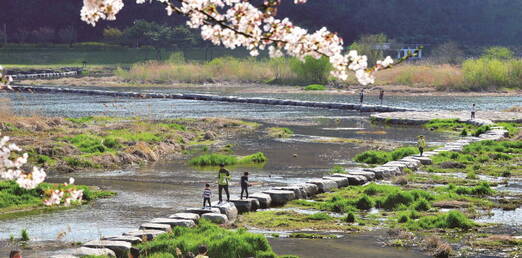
x,y
454,126
215,159
315,87
280,132
219,241
311,235
381,157
451,219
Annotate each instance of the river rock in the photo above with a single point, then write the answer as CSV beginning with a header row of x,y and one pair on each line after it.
x,y
341,181
216,218
280,197
145,235
369,174
85,251
200,211
156,226
174,222
130,239
120,248
356,179
323,184
264,200
243,206
185,216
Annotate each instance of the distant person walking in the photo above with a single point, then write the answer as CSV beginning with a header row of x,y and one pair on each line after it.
x,y
381,95
207,194
223,181
361,96
244,185
473,111
421,144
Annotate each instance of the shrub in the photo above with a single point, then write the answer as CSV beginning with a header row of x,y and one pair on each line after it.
x,y
364,203
337,169
403,218
315,87
452,219
372,157
501,53
258,157
401,180
471,175
311,70
24,235
350,217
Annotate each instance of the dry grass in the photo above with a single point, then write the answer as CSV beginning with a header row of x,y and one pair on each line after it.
x,y
421,75
513,109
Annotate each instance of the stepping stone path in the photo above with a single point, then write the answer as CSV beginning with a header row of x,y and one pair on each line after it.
x,y
227,212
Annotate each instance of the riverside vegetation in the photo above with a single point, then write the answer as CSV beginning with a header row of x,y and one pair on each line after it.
x,y
419,211
65,145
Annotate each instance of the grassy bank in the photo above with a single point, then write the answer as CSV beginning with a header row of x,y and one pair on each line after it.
x,y
65,145
16,201
220,242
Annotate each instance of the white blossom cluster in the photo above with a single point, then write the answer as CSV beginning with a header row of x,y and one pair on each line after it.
x,y
11,169
238,23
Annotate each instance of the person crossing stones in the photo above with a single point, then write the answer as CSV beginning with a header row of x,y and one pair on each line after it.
x,y
421,144
223,181
473,111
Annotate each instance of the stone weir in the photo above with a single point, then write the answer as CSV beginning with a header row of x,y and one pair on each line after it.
x,y
210,97
226,213
44,75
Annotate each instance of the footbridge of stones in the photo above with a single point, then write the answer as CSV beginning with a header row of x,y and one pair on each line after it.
x,y
43,75
227,213
210,97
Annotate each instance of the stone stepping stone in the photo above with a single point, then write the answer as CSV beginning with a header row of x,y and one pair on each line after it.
x,y
424,160
298,191
120,248
201,211
216,218
156,226
145,235
280,197
324,185
264,200
369,174
86,251
174,222
310,190
185,216
130,239
227,208
340,181
243,206
353,179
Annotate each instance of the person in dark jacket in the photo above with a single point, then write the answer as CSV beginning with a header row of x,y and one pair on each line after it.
x,y
244,185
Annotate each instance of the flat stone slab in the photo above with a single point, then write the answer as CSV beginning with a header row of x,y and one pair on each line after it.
x,y
310,190
86,251
369,174
424,160
120,248
201,211
298,191
264,200
324,185
145,235
216,218
174,222
185,216
356,179
280,197
130,239
422,117
156,226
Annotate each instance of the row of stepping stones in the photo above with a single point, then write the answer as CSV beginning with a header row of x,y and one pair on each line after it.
x,y
45,75
227,212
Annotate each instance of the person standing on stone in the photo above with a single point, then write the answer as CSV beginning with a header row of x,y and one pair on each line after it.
x,y
207,194
473,111
223,180
381,95
244,185
421,144
361,96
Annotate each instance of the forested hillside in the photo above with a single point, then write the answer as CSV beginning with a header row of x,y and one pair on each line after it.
x,y
471,22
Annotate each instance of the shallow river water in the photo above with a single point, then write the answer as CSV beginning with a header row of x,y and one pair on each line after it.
x,y
165,187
